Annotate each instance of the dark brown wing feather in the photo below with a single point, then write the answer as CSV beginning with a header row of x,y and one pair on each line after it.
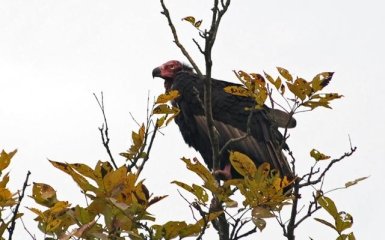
x,y
230,119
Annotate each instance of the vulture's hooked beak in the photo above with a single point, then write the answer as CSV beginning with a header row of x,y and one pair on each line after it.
x,y
156,72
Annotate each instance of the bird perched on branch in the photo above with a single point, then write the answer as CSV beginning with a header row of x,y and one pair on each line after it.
x,y
264,142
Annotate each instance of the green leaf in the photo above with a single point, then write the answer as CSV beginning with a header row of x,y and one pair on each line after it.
x,y
325,223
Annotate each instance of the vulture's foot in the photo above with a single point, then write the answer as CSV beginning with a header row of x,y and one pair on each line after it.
x,y
225,173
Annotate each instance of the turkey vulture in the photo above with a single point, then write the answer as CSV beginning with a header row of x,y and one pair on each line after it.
x,y
264,144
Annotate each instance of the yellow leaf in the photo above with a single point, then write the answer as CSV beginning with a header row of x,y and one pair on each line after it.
x,y
210,217
321,80
184,186
259,223
198,24
4,181
60,207
243,76
5,159
354,182
189,19
53,225
344,221
285,73
173,116
141,193
165,109
202,172
44,194
300,88
114,179
160,121
172,229
78,232
242,164
79,179
156,199
84,170
261,212
238,91
6,198
38,212
198,191
165,97
317,155
326,97
325,223
138,138
277,83
314,104
102,168
328,204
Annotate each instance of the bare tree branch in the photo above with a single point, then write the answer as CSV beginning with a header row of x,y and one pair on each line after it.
x,y
312,208
15,212
331,163
166,13
104,130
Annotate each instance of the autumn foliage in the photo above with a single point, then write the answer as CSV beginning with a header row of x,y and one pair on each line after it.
x,y
117,199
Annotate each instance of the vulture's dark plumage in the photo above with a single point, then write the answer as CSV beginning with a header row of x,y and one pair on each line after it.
x,y
230,118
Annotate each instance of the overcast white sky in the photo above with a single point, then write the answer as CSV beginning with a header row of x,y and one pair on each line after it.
x,y
55,54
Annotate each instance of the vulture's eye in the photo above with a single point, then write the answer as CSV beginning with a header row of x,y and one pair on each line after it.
x,y
172,67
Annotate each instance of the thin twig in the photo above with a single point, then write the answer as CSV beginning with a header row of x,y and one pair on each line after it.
x,y
26,229
331,163
236,222
145,159
104,130
15,212
254,230
166,13
310,211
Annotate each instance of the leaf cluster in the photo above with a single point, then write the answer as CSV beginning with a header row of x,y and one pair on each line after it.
x,y
306,93
7,199
118,203
263,189
161,107
342,220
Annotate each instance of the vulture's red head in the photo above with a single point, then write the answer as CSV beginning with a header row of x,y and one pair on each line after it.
x,y
168,70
